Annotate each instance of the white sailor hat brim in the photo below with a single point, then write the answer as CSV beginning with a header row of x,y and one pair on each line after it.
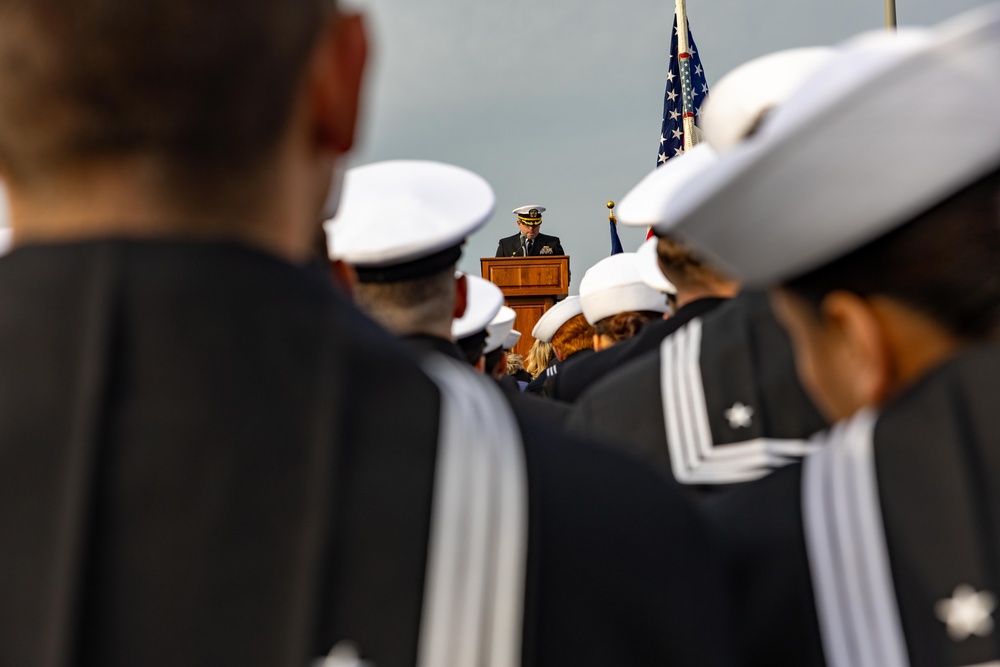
x,y
648,203
861,148
556,316
513,338
499,329
614,286
649,268
400,211
483,302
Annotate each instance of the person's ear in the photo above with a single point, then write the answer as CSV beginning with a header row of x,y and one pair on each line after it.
x,y
461,296
860,346
481,365
336,81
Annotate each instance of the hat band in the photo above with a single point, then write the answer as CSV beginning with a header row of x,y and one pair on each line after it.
x,y
531,222
418,268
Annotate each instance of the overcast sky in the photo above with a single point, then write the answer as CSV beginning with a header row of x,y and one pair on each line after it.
x,y
558,102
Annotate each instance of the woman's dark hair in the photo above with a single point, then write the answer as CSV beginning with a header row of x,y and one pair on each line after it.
x,y
944,263
625,325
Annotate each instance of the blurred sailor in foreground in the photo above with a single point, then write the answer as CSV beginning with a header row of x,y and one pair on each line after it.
x,y
571,578
880,549
717,402
529,241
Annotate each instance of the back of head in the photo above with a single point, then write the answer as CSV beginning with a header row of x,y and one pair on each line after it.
x,y
575,335
206,86
422,305
686,269
625,325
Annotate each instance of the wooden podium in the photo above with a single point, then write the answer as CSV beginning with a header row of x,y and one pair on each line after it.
x,y
531,285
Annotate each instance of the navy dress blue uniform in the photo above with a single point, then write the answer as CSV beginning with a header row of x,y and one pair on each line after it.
x,y
746,390
543,244
931,458
575,379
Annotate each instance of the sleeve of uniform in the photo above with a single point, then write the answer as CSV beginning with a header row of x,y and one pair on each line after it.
x,y
500,252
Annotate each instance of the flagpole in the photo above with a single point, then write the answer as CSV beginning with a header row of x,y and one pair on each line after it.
x,y
684,57
890,15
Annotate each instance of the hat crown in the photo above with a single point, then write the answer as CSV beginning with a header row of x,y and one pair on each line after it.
x,y
401,210
614,285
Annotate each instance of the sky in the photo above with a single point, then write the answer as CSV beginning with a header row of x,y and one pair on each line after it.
x,y
559,102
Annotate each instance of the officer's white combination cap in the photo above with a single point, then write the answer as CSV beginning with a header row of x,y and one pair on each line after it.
x,y
530,215
614,285
556,316
863,147
736,106
402,219
499,329
484,300
649,268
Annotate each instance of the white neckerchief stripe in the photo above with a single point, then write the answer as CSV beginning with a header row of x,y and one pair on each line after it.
x,y
849,560
694,457
474,594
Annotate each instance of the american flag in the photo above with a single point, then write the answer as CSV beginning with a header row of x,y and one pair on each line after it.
x,y
686,90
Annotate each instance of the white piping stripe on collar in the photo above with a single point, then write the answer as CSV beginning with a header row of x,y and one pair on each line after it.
x,y
474,594
694,456
848,556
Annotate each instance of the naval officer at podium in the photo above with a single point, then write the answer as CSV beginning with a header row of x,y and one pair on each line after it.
x,y
529,242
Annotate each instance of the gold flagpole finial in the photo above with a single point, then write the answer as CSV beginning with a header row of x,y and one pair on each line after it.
x,y
611,211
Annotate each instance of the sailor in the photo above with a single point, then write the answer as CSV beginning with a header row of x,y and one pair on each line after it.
x,y
617,302
529,241
734,110
571,336
495,352
880,549
735,409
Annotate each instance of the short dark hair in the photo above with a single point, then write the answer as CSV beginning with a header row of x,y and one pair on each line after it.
x,y
492,360
472,347
201,84
944,263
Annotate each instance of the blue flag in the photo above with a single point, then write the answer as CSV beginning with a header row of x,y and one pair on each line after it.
x,y
685,82
616,243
